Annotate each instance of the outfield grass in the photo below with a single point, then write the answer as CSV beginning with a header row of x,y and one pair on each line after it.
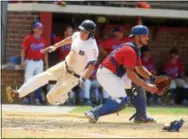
x,y
152,110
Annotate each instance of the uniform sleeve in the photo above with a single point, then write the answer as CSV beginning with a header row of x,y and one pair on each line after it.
x,y
130,57
25,43
94,53
75,35
93,56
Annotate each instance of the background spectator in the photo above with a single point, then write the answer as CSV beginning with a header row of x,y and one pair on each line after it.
x,y
147,59
64,50
31,59
114,42
174,68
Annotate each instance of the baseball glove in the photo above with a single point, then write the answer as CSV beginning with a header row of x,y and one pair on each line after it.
x,y
163,84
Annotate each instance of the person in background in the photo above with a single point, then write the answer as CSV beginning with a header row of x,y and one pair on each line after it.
x,y
114,42
174,68
92,84
32,60
63,51
150,65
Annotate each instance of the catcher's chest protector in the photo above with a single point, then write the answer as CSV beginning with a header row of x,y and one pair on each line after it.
x,y
120,68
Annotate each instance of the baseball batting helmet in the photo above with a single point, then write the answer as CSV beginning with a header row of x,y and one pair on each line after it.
x,y
139,30
88,25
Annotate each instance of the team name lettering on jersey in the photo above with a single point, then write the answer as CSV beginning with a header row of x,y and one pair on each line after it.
x,y
36,47
173,71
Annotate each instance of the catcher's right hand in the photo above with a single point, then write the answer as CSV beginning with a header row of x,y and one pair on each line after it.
x,y
151,88
48,49
162,83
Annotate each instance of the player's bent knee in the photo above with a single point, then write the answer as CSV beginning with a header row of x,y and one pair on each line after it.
x,y
51,99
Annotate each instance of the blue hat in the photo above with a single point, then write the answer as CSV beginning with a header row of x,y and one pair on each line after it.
x,y
139,30
37,25
118,29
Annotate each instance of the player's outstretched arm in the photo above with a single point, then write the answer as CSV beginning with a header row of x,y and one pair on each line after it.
x,y
52,48
88,71
134,77
141,70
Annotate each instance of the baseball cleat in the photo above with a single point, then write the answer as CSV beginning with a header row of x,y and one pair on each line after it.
x,y
91,117
11,94
145,120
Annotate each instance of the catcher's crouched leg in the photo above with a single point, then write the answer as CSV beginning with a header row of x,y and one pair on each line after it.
x,y
109,107
138,99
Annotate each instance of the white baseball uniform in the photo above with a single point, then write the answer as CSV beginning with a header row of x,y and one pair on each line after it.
x,y
114,85
85,51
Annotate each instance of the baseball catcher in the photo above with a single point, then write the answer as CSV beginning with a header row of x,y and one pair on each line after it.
x,y
120,68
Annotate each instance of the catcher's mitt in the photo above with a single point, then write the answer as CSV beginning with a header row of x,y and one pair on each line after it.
x,y
162,83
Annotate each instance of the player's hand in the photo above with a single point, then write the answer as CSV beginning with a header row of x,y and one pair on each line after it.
x,y
151,88
51,48
48,49
81,82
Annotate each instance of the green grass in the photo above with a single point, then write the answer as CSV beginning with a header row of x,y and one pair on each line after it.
x,y
152,110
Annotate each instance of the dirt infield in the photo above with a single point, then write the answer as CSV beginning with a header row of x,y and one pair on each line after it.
x,y
38,124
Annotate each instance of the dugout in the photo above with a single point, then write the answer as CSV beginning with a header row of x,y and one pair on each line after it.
x,y
164,33
168,28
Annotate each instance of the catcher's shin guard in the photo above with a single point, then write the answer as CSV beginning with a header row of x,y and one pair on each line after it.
x,y
138,99
111,106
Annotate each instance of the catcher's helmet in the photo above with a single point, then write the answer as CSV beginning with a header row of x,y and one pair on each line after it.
x,y
139,30
88,25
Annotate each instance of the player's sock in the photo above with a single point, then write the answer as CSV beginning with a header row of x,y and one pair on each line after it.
x,y
111,106
140,105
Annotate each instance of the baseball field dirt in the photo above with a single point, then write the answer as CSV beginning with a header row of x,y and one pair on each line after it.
x,y
69,122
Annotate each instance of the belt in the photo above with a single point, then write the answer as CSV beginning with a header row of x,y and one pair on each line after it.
x,y
70,71
34,59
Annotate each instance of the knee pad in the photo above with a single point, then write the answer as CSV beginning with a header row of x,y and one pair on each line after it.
x,y
51,99
111,106
57,101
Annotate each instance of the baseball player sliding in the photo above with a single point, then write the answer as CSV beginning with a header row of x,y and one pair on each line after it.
x,y
114,73
78,65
